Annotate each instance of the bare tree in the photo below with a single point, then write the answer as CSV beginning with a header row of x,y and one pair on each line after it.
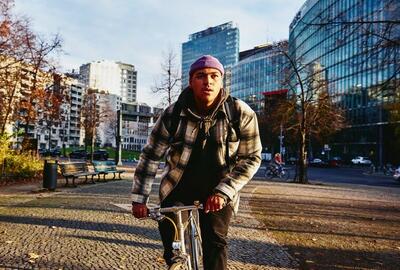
x,y
93,112
90,118
14,36
53,114
168,85
24,60
39,62
308,111
109,122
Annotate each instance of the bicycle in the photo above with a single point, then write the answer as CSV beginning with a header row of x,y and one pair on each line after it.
x,y
272,173
187,248
388,169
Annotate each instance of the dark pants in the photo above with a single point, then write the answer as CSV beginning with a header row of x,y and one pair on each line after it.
x,y
214,230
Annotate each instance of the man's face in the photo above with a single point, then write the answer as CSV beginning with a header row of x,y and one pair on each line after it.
x,y
206,84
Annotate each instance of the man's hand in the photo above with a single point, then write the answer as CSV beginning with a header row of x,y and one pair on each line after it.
x,y
214,203
139,210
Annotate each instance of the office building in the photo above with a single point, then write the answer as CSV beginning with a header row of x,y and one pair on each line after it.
x,y
359,56
259,72
221,41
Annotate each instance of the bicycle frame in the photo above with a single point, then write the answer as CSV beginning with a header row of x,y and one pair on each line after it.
x,y
182,256
282,173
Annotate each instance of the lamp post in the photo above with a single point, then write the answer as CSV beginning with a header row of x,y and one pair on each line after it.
x,y
281,150
118,139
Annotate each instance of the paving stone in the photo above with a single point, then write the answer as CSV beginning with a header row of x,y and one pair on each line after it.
x,y
82,229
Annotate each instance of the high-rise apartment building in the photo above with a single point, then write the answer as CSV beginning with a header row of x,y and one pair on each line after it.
x,y
356,46
259,72
221,41
69,133
113,77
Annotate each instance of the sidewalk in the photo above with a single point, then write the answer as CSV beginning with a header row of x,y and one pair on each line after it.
x,y
80,228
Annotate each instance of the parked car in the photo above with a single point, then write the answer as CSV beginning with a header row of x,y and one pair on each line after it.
x,y
78,154
291,160
361,161
56,152
317,162
99,155
396,174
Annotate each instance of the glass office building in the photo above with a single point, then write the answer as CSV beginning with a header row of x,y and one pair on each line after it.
x,y
221,41
259,72
357,46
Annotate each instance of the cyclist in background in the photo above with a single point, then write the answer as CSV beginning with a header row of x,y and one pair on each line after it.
x,y
206,159
276,164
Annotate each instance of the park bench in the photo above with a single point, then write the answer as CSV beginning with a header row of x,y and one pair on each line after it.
x,y
75,170
106,167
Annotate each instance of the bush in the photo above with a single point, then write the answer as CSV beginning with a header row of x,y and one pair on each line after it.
x,y
18,165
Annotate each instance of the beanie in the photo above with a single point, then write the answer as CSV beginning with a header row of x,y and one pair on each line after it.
x,y
206,61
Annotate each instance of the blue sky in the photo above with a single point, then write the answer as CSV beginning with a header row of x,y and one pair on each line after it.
x,y
137,32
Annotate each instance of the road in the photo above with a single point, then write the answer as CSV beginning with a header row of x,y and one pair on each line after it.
x,y
345,175
342,175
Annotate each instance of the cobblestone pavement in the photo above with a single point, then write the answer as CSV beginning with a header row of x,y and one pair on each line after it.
x,y
80,228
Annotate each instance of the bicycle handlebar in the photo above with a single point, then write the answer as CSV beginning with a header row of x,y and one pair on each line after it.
x,y
174,209
156,213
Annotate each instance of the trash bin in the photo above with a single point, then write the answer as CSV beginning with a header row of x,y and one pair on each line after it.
x,y
50,174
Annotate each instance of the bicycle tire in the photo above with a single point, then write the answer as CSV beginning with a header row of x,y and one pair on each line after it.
x,y
176,266
285,174
268,173
196,258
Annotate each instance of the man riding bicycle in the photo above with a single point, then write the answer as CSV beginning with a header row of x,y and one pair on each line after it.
x,y
276,164
212,148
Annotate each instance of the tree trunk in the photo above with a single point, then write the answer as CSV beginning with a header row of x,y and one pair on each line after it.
x,y
92,147
302,176
303,131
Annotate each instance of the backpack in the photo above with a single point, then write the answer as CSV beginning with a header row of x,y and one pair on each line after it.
x,y
232,116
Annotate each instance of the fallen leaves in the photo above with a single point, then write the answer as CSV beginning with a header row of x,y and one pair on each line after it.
x,y
33,257
160,260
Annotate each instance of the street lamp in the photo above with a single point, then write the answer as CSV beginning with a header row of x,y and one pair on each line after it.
x,y
281,148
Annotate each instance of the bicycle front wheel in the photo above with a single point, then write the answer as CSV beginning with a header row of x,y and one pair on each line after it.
x,y
176,266
195,243
268,173
285,175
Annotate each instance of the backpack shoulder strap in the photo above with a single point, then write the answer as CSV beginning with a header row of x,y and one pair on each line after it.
x,y
175,117
233,121
232,113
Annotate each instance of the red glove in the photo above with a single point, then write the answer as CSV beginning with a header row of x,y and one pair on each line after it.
x,y
139,210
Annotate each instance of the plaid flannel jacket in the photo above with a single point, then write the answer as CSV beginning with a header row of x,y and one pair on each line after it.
x,y
244,149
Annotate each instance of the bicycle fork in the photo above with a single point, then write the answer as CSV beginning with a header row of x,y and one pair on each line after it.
x,y
179,246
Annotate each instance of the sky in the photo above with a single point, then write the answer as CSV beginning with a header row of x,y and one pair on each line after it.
x,y
138,32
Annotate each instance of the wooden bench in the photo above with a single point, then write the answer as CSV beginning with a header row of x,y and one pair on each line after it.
x,y
75,170
106,167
